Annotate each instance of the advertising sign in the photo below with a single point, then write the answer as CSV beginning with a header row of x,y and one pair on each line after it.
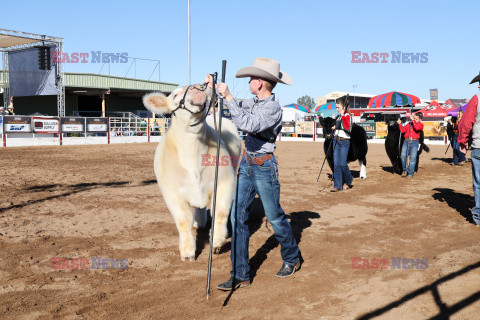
x,y
17,124
97,124
72,125
45,125
304,127
433,129
370,128
381,130
434,95
288,127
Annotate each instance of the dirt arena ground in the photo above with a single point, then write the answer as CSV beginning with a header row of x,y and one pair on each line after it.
x,y
83,202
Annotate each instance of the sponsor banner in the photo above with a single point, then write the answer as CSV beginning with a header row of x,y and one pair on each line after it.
x,y
45,125
72,125
288,127
319,129
434,95
433,129
97,124
17,124
302,127
370,128
381,130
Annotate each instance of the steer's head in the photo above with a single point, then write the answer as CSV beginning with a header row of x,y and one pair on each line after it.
x,y
327,124
391,121
188,111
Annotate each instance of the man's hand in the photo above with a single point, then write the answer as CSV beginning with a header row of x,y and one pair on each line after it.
x,y
462,148
399,121
209,80
223,90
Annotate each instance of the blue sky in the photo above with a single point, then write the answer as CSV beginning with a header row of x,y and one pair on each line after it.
x,y
312,40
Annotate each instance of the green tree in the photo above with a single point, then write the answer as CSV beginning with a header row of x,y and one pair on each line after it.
x,y
307,102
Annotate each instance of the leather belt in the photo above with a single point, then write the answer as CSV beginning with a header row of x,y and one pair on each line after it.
x,y
410,139
257,160
340,138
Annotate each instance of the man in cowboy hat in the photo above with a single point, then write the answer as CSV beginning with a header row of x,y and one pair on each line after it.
x,y
470,125
261,118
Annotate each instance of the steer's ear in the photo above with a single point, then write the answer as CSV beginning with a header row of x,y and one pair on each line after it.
x,y
158,103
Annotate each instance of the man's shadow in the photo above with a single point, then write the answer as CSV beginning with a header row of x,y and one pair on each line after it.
x,y
298,221
458,201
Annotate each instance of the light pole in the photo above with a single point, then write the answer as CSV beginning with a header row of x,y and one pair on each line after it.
x,y
354,87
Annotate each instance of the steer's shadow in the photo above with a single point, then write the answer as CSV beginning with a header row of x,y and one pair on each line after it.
x,y
458,201
389,169
446,160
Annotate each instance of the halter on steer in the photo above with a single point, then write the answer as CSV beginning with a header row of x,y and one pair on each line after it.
x,y
181,105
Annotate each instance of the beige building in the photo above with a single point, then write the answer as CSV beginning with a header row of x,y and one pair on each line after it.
x,y
357,100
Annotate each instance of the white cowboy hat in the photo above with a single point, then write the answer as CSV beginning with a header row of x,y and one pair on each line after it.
x,y
267,69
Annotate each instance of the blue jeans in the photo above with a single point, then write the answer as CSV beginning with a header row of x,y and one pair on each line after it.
x,y
458,156
476,184
341,172
409,148
262,180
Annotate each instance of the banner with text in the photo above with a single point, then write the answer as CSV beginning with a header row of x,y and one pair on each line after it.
x,y
45,125
97,124
304,127
288,127
17,124
72,125
370,128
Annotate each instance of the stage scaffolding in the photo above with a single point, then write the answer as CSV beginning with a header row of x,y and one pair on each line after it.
x,y
16,40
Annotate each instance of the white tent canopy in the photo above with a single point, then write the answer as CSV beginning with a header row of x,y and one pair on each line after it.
x,y
290,114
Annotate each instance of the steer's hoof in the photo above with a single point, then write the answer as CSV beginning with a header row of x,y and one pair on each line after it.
x,y
190,258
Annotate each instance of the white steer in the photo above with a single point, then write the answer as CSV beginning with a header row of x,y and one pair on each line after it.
x,y
185,168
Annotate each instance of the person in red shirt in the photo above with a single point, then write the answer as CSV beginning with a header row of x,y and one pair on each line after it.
x,y
342,177
470,126
412,132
